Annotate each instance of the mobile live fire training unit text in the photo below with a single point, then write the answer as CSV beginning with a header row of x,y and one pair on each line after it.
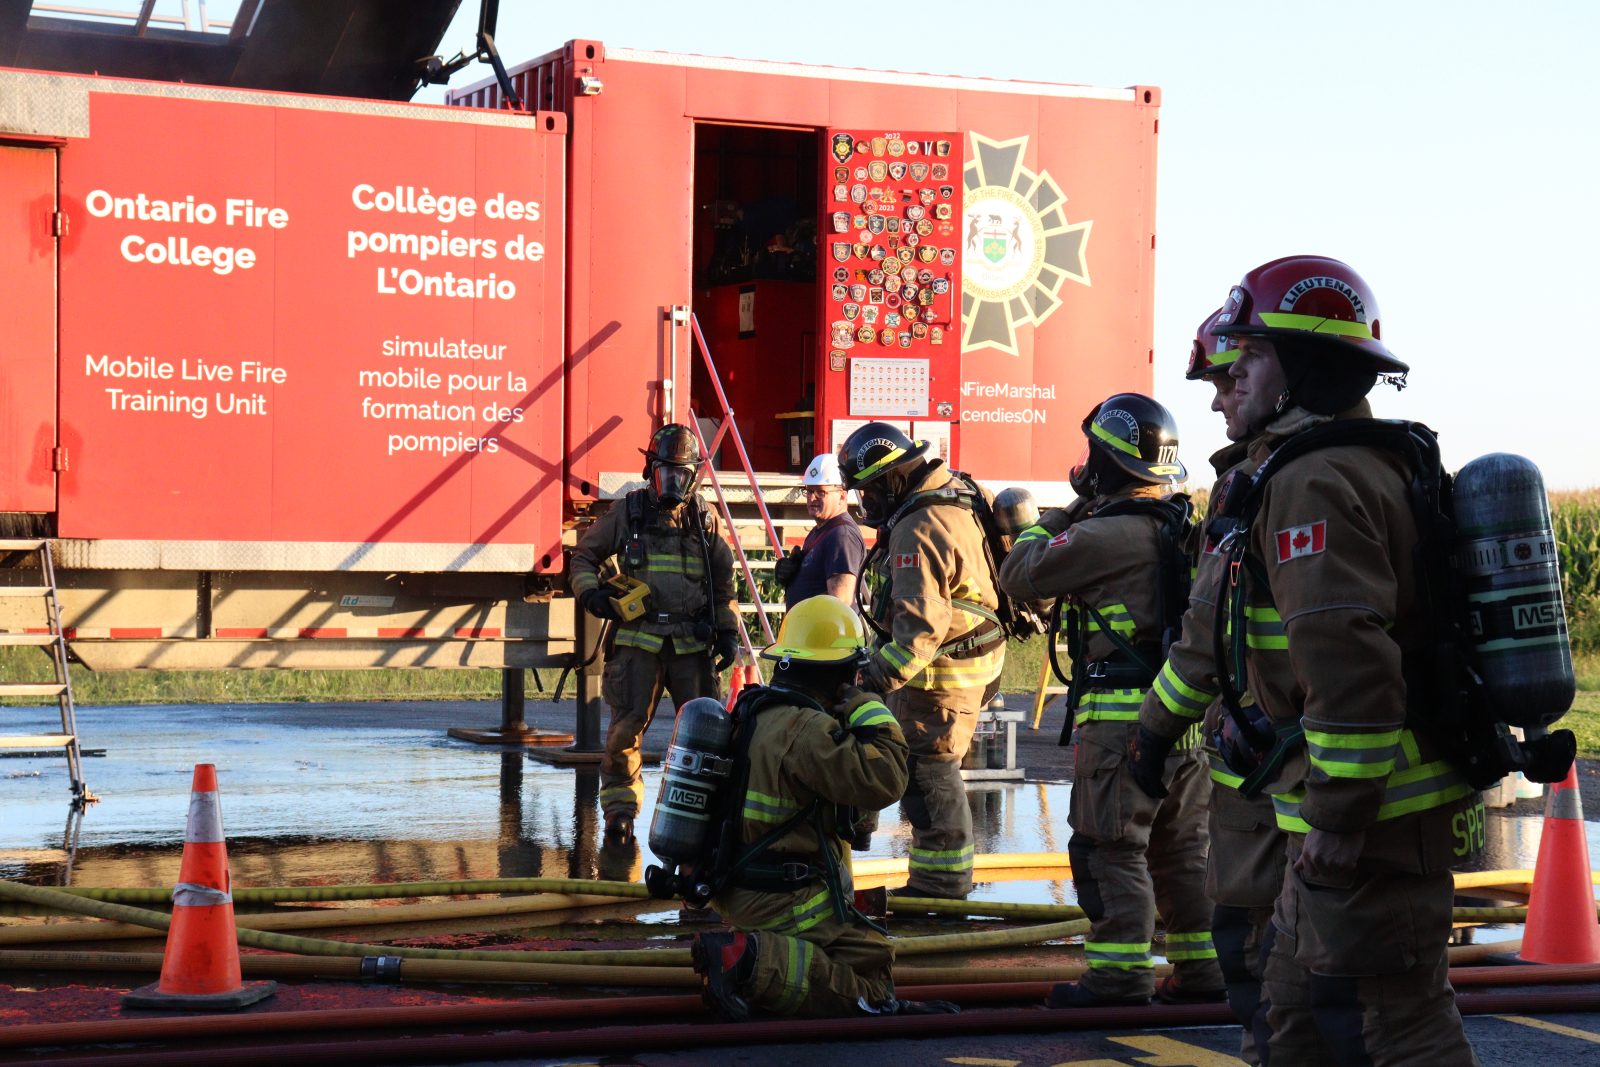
x,y
312,381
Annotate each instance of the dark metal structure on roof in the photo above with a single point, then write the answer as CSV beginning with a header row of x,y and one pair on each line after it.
x,y
362,48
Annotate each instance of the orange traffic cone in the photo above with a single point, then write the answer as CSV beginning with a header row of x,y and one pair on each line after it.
x,y
735,684
1561,924
201,966
752,675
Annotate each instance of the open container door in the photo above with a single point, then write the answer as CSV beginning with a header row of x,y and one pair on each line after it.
x,y
891,227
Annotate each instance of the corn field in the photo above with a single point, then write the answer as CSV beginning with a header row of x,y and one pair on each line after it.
x,y
1576,517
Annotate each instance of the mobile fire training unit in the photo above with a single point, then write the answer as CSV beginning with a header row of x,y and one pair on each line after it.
x,y
307,381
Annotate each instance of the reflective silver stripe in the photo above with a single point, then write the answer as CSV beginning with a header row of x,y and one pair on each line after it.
x,y
190,895
205,820
1564,805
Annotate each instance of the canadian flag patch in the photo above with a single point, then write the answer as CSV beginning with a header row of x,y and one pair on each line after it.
x,y
1061,538
907,559
1302,541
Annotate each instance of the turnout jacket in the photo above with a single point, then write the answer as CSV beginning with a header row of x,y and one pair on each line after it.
x,y
797,757
675,545
1325,635
1110,563
932,585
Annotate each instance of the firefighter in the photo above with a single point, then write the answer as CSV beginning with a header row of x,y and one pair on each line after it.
x,y
1118,560
940,645
1329,611
663,536
815,750
1244,865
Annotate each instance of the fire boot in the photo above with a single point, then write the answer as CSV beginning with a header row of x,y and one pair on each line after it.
x,y
897,1006
619,828
1171,991
1073,995
725,961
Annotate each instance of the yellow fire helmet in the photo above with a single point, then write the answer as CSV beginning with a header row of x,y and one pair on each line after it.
x,y
819,629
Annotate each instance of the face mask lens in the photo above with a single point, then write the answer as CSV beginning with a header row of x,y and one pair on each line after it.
x,y
672,483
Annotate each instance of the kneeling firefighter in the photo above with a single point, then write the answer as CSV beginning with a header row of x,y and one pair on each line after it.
x,y
800,760
1117,562
661,536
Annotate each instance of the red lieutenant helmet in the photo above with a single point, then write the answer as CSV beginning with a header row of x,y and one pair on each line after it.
x,y
1210,354
1310,298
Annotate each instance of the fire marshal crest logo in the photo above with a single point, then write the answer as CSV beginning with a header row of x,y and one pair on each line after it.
x,y
1018,249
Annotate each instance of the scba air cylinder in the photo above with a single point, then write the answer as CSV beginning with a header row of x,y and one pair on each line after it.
x,y
1507,554
696,767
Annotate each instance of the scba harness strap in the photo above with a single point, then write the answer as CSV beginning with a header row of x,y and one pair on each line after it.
x,y
1129,666
1008,620
1442,691
634,555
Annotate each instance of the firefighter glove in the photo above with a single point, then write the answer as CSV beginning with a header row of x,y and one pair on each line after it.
x,y
598,603
1147,756
787,568
726,648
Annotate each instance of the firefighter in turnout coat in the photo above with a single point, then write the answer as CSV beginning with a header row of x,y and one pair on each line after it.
x,y
663,536
941,646
816,751
1114,560
1329,609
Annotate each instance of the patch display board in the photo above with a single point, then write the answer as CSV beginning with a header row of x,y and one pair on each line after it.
x,y
891,223
311,324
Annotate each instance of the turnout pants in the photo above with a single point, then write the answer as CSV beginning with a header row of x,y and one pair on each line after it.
x,y
938,725
1244,873
808,963
1134,856
1359,975
632,685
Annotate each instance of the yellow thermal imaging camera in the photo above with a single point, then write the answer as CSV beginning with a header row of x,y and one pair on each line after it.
x,y
628,596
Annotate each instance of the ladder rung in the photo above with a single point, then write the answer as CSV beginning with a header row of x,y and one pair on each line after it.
x,y
27,639
38,741
28,689
25,590
15,545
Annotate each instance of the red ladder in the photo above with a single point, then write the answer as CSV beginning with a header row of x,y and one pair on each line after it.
x,y
727,428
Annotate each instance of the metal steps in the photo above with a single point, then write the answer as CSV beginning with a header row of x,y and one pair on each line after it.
x,y
51,639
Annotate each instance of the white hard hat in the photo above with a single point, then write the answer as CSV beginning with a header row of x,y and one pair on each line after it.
x,y
823,470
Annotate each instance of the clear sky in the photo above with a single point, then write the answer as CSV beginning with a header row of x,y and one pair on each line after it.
x,y
1447,150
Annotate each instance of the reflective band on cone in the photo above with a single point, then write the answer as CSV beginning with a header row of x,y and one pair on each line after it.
x,y
200,968
1561,924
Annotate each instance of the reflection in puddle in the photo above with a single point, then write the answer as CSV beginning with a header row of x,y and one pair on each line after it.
x,y
400,802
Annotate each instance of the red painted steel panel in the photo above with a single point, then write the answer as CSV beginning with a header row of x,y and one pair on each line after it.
x,y
28,351
1045,336
305,391
631,241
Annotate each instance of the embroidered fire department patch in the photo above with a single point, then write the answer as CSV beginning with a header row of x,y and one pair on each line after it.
x,y
1061,538
907,559
1302,541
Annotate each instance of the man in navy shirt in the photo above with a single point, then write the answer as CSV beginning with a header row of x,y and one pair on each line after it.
x,y
831,556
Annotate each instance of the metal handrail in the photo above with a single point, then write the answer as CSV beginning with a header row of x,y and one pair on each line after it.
x,y
728,428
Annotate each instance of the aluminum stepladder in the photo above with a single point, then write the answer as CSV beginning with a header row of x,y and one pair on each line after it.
x,y
727,428
53,641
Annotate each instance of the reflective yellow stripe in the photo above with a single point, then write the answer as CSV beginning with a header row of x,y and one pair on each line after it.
x,y
641,639
870,714
583,581
1117,616
950,859
1034,533
1178,696
795,982
959,674
1190,947
759,807
1117,955
1264,628
1284,320
1353,755
1111,705
888,458
1220,772
1112,439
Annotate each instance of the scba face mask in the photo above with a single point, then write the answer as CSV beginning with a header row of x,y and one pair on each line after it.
x,y
673,485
